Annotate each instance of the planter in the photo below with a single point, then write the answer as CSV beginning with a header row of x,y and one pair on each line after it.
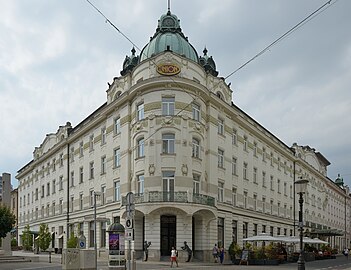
x,y
236,261
271,262
256,262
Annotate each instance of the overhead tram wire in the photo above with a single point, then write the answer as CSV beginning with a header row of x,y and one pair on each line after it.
x,y
126,37
286,34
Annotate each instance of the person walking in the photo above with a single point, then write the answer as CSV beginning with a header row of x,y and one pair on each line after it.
x,y
174,256
221,255
346,252
215,253
188,250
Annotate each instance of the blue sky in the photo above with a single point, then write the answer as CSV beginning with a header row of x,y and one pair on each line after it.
x,y
56,58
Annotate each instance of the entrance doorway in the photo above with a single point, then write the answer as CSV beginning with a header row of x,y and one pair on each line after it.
x,y
168,234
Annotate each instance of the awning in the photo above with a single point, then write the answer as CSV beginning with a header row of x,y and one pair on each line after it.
x,y
262,237
328,232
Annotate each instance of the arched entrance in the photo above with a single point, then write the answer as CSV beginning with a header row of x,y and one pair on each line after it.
x,y
168,233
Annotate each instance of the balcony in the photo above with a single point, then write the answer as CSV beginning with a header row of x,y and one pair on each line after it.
x,y
178,197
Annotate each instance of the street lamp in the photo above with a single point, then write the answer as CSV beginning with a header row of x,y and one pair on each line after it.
x,y
340,182
96,194
300,188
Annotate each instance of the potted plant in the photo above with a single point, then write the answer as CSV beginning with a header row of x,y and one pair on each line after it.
x,y
234,250
271,253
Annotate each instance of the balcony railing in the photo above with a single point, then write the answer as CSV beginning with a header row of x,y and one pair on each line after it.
x,y
178,197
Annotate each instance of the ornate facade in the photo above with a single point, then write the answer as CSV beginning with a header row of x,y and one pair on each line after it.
x,y
201,169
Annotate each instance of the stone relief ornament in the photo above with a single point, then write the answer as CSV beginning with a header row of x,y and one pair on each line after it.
x,y
151,169
185,169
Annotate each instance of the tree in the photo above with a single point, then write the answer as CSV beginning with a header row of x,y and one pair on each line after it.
x,y
27,238
44,237
7,220
72,242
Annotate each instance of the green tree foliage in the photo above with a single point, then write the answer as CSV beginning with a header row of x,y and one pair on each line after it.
x,y
27,238
7,220
72,242
44,237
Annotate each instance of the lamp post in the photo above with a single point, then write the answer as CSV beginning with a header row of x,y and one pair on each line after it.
x,y
340,182
300,188
96,194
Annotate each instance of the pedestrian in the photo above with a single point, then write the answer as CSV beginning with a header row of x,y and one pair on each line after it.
x,y
346,252
188,250
146,251
215,253
174,253
221,254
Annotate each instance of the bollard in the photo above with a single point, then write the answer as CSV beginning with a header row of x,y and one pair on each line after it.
x,y
49,256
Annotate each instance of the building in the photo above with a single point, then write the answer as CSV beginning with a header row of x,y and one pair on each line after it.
x,y
201,169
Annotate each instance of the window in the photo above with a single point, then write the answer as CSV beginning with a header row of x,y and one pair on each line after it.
x,y
36,195
53,208
103,234
91,233
245,143
220,158
255,149
168,106
61,183
196,183
81,149
263,179
263,205
91,143
47,191
245,171
278,208
220,191
272,184
220,231
235,231
234,196
278,185
72,179
285,189
255,175
168,186
53,186
60,206
271,207
168,143
245,229
81,175
72,203
220,126
61,160
263,154
140,144
54,165
81,201
48,169
234,172
245,199
263,228
91,170
24,200
278,163
140,184
117,157
234,137
103,165
140,112
117,191
272,159
255,229
103,135
42,191
117,125
196,148
196,112
255,202
103,195
271,230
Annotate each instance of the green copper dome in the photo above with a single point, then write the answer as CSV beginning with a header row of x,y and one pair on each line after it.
x,y
169,37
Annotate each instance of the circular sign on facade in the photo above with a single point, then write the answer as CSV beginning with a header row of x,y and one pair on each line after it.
x,y
168,69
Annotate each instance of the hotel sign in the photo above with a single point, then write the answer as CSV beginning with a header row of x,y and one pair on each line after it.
x,y
168,69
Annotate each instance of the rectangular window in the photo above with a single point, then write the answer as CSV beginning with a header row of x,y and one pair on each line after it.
x,y
72,203
60,206
47,191
61,183
220,158
255,202
245,143
168,106
117,125
80,201
245,171
263,179
196,184
234,196
103,234
36,194
103,195
263,205
140,184
72,179
234,137
91,234
103,165
278,185
140,112
272,184
103,135
285,189
91,170
53,208
117,191
71,155
81,175
54,165
42,191
245,229
91,143
220,126
81,149
255,149
61,160
245,200
168,141
168,186
234,172
196,148
140,144
196,112
91,197
117,157
220,192
255,175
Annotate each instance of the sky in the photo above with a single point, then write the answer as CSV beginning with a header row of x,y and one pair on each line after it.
x,y
56,58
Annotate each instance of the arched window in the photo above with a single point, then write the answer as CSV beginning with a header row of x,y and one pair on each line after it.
x,y
196,148
140,147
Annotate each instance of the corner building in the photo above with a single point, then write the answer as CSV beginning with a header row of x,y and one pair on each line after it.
x,y
201,169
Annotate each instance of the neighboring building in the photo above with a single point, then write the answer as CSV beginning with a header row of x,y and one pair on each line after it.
x,y
202,170
14,208
0,188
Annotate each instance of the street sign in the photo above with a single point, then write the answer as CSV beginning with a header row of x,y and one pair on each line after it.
x,y
129,234
129,223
